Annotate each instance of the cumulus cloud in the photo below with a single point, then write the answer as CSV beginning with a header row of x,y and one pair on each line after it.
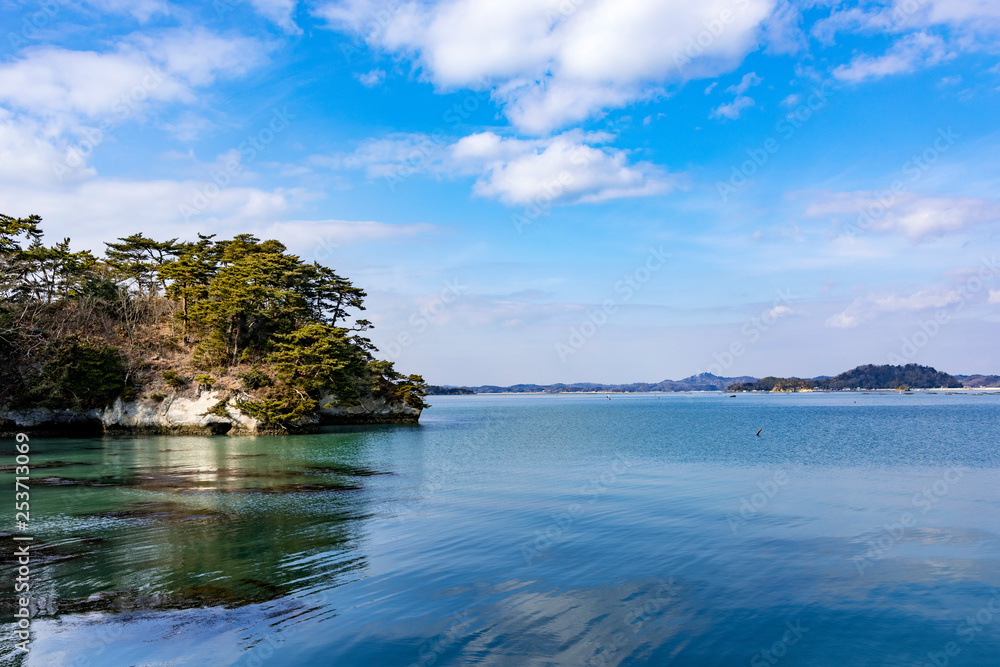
x,y
572,167
909,214
564,167
58,83
90,208
907,55
554,62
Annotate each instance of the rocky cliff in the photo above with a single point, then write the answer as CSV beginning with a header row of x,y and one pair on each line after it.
x,y
208,413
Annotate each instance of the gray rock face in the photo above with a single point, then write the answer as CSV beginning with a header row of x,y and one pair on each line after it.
x,y
209,413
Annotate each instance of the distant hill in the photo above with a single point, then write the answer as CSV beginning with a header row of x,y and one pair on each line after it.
x,y
979,380
437,390
863,377
702,382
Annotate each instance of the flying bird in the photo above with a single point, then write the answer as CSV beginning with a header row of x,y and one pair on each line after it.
x,y
758,432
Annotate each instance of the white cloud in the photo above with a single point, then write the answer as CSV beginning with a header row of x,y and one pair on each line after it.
x,y
748,81
62,84
732,110
564,167
27,152
573,167
867,308
956,290
778,312
392,156
554,62
907,55
372,78
279,12
908,214
188,126
330,234
142,10
968,16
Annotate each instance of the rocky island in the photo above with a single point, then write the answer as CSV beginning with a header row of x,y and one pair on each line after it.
x,y
210,336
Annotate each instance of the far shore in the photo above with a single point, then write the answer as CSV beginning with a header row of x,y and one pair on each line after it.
x,y
949,390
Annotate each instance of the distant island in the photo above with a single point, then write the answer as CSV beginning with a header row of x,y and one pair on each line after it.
x,y
910,376
168,336
862,377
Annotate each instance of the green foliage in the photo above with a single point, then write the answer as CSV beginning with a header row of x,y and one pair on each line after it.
x,y
157,397
212,351
173,379
205,381
75,374
774,384
280,405
255,379
136,261
890,377
862,377
320,356
238,301
386,382
219,409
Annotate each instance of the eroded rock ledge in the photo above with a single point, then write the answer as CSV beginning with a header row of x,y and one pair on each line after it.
x,y
209,413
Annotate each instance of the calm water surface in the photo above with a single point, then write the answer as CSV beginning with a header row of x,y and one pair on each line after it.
x,y
857,529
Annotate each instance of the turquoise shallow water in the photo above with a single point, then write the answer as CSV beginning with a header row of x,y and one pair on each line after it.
x,y
858,529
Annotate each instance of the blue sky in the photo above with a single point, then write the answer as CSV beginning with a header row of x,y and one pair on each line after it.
x,y
545,191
